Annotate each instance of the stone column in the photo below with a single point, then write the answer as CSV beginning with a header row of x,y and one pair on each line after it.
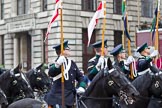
x,y
13,8
16,51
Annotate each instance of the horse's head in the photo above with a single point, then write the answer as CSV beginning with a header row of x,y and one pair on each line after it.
x,y
121,84
39,79
156,85
19,86
3,98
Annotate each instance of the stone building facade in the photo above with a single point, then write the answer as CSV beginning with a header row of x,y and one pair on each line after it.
x,y
23,26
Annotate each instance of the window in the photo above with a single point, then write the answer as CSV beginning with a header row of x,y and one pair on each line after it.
x,y
44,5
44,47
1,50
117,6
89,5
147,8
88,52
2,9
22,7
117,37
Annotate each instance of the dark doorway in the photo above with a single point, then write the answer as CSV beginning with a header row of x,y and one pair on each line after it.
x,y
28,51
88,52
117,37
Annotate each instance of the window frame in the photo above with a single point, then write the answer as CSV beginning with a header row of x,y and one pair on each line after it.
x,y
90,6
148,9
2,9
117,3
23,7
44,5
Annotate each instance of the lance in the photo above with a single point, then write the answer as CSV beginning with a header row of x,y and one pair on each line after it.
x,y
103,28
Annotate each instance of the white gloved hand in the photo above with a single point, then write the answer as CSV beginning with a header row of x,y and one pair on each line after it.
x,y
100,62
130,60
154,53
60,61
80,90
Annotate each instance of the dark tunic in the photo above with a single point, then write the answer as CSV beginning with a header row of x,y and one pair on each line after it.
x,y
92,71
124,68
143,63
54,96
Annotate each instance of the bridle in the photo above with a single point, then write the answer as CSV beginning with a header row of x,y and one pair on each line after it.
x,y
112,82
157,84
42,89
15,82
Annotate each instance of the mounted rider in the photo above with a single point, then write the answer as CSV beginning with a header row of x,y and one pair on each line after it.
x,y
98,62
71,74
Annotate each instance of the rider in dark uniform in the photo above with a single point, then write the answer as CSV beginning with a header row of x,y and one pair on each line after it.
x,y
120,59
145,61
143,66
71,74
98,62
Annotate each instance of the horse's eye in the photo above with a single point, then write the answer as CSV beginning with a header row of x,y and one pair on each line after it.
x,y
39,78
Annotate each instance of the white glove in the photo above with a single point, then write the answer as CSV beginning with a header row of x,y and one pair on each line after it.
x,y
60,61
154,53
130,60
100,63
80,90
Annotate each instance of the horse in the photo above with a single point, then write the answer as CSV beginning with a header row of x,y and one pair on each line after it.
x,y
15,85
149,86
3,98
105,85
2,70
28,103
38,79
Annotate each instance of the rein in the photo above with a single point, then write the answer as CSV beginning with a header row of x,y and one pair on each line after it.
x,y
95,98
144,97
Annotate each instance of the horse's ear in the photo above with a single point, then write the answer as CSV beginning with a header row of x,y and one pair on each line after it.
x,y
19,67
39,66
109,63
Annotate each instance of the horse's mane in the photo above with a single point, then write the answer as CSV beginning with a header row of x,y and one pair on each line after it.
x,y
4,76
142,82
29,72
93,83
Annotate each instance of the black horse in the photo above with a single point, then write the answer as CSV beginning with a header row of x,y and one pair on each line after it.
x,y
2,70
15,85
28,103
104,86
150,87
38,79
3,98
